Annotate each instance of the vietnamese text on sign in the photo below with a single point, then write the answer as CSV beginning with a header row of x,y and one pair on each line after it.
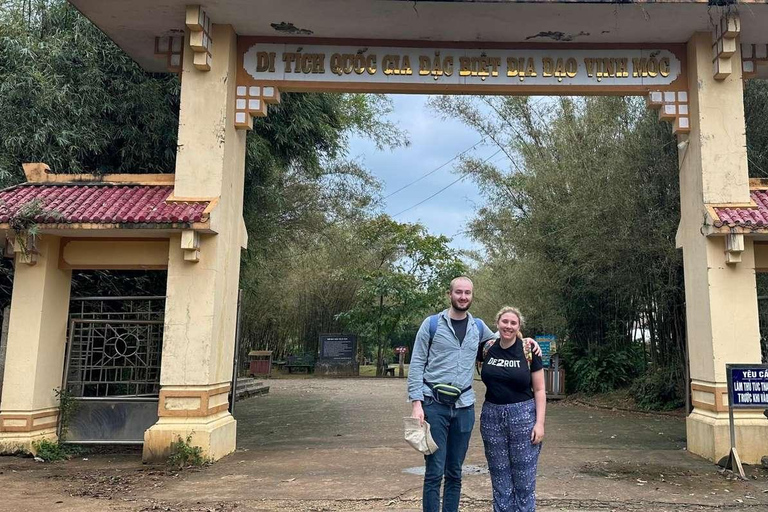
x,y
285,62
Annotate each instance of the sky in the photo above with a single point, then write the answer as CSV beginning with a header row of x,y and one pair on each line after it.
x,y
434,141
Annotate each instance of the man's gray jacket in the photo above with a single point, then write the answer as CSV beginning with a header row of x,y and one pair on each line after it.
x,y
448,362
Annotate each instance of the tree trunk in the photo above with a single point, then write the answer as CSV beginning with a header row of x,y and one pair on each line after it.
x,y
380,355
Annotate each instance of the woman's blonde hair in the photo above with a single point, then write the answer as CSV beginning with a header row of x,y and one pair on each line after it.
x,y
509,309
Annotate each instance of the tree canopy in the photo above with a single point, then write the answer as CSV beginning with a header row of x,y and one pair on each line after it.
x,y
578,230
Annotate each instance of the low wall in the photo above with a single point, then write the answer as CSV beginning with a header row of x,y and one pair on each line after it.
x,y
337,368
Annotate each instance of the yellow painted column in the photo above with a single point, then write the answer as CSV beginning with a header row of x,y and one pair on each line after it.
x,y
721,298
201,304
34,363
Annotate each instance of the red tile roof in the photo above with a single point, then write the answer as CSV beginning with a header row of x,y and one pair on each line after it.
x,y
754,218
99,203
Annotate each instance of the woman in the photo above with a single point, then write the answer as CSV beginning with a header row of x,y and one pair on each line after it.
x,y
512,420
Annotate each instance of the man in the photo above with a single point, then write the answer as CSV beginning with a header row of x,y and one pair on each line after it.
x,y
448,358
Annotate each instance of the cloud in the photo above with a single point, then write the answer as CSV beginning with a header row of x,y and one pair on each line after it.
x,y
434,141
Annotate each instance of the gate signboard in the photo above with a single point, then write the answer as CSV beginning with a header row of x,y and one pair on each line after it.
x,y
642,67
269,66
747,389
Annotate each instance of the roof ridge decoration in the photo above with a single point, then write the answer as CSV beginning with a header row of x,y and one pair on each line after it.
x,y
40,173
758,183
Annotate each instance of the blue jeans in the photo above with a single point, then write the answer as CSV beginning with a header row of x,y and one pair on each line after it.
x,y
451,429
512,458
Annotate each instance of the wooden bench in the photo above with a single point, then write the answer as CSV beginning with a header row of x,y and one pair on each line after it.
x,y
390,370
307,362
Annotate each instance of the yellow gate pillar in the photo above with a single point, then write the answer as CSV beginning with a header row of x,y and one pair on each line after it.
x,y
201,304
34,363
721,298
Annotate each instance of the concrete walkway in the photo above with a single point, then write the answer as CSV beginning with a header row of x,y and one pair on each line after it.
x,y
336,444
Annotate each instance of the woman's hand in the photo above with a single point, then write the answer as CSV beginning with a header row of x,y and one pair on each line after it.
x,y
535,348
538,433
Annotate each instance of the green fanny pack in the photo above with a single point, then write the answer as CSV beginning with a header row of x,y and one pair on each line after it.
x,y
446,394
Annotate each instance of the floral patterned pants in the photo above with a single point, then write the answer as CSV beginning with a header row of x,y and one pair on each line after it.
x,y
512,458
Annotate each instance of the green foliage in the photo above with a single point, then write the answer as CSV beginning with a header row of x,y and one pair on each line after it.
x,y
762,294
24,223
579,230
24,219
408,274
756,117
71,98
50,451
602,368
184,454
67,408
658,390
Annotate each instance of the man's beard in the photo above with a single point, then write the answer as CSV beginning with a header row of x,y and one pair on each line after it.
x,y
458,307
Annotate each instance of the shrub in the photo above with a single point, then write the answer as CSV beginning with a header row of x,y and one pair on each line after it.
x,y
183,454
657,390
50,451
602,369
67,408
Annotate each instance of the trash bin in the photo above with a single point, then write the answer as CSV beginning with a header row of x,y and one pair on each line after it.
x,y
261,363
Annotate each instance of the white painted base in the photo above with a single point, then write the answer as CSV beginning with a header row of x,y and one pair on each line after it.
x,y
21,442
708,435
216,435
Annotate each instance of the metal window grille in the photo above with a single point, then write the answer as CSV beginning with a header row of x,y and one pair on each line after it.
x,y
115,347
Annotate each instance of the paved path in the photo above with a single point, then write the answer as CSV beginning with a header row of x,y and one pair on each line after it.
x,y
335,444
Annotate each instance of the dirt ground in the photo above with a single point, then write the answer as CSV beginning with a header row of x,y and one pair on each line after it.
x,y
336,445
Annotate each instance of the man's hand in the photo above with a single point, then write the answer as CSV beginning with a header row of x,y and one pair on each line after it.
x,y
537,434
535,348
418,411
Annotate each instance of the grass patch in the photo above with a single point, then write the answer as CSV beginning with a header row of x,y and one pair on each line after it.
x,y
184,454
51,451
369,370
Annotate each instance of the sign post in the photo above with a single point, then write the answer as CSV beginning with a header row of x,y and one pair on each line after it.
x,y
747,389
401,351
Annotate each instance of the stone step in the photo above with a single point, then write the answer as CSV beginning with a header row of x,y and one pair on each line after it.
x,y
247,388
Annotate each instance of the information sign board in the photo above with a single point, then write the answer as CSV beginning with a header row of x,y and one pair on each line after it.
x,y
548,345
748,386
338,347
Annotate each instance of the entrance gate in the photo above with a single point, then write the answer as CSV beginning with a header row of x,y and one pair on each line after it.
x,y
689,58
112,371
